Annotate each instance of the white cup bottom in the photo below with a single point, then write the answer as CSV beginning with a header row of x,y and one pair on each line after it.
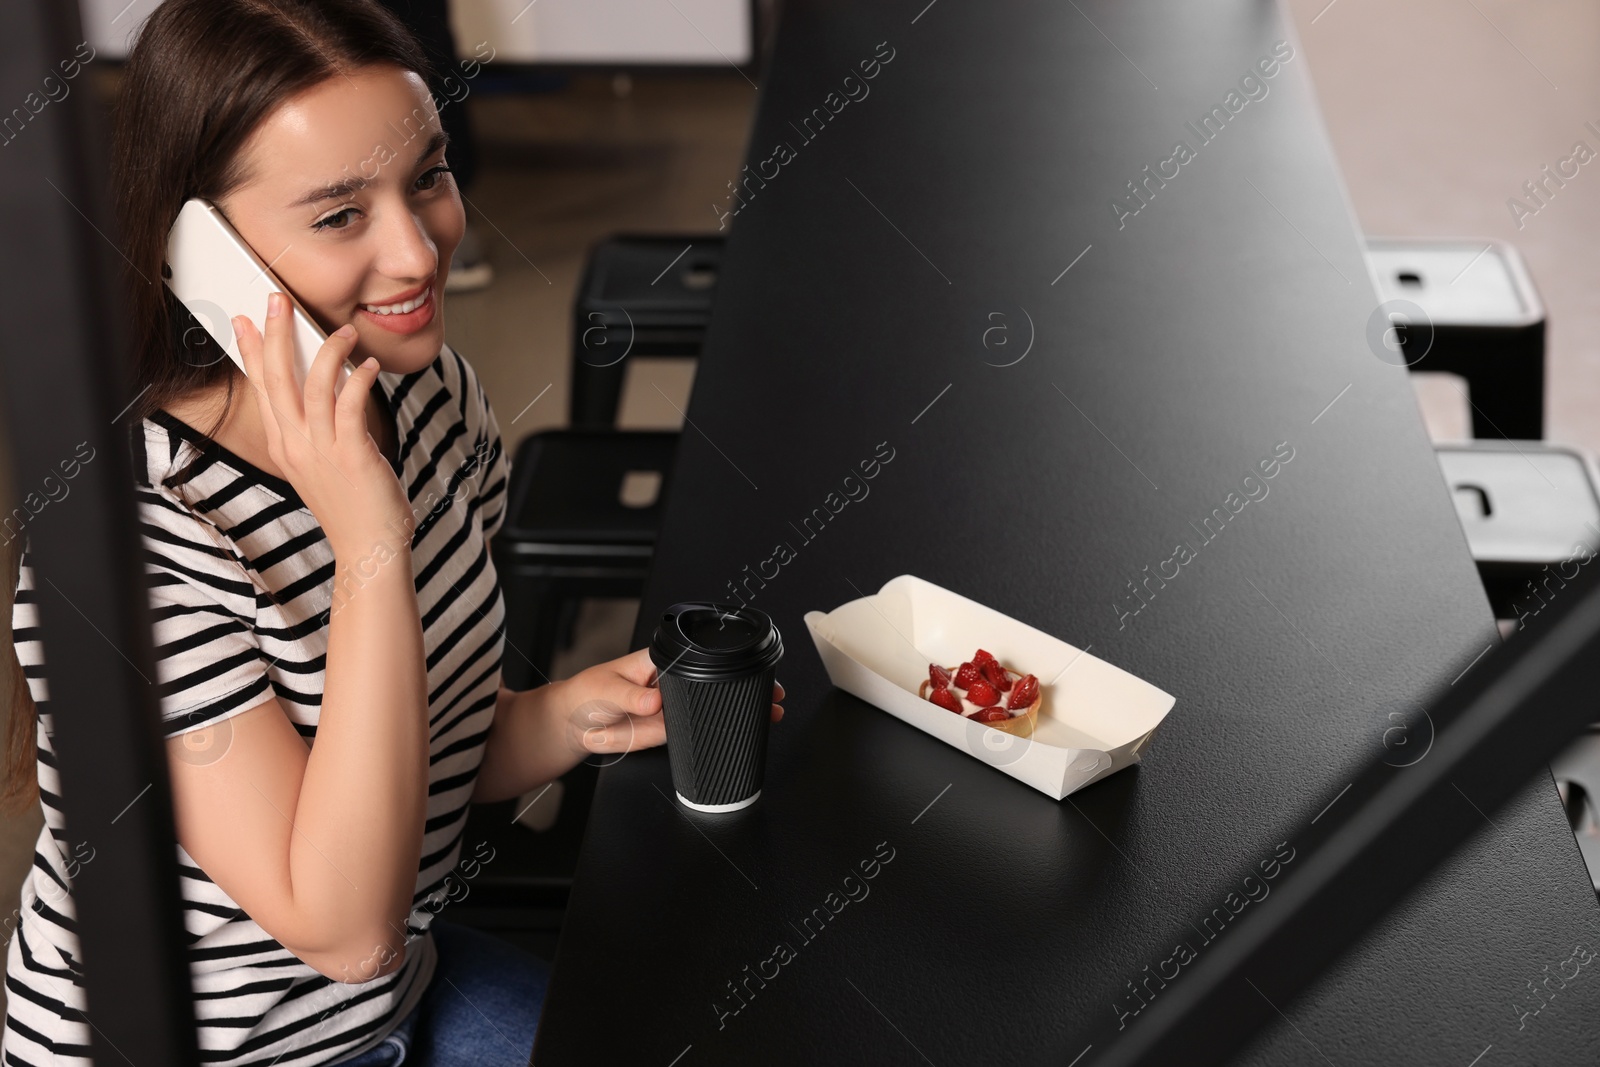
x,y
714,808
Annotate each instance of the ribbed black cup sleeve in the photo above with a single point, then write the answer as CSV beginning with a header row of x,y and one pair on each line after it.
x,y
717,735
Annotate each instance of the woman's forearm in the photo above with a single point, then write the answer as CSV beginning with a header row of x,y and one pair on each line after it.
x,y
539,735
363,801
530,743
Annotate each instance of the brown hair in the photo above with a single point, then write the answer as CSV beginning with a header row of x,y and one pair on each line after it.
x,y
22,773
201,78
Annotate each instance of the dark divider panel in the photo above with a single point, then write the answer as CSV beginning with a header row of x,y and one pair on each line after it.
x,y
62,376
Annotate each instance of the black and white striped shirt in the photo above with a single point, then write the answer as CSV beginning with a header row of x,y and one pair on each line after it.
x,y
241,583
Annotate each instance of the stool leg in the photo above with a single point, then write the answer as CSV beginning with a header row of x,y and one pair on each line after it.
x,y
533,618
1505,377
546,628
1508,401
567,627
596,395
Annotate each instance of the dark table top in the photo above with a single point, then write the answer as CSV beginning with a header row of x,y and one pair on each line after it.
x,y
1224,322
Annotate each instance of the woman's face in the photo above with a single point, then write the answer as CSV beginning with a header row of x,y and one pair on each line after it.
x,y
346,202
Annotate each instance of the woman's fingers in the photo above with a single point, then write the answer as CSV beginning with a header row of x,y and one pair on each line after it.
x,y
623,714
626,684
320,379
636,733
608,726
349,486
278,362
637,699
350,416
636,667
256,377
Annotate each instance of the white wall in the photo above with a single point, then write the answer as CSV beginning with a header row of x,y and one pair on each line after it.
x,y
602,31
702,32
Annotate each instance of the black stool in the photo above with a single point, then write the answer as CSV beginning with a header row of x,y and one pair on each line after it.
x,y
640,296
1482,319
1577,774
519,886
581,522
1531,513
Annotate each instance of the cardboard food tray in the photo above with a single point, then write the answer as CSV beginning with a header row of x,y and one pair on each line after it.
x,y
1094,718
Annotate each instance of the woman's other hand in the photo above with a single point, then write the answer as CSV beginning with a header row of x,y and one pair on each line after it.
x,y
616,707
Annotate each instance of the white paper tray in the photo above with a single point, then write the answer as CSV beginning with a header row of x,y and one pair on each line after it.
x,y
1094,718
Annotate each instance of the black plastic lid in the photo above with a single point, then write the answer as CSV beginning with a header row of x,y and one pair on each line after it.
x,y
705,641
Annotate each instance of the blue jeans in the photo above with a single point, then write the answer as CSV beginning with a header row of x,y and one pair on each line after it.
x,y
480,1009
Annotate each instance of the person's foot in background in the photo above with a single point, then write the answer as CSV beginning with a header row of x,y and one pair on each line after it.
x,y
469,267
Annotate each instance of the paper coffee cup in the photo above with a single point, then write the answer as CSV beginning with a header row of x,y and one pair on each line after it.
x,y
715,664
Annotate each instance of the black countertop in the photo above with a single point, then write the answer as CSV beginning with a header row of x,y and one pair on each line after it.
x,y
1145,365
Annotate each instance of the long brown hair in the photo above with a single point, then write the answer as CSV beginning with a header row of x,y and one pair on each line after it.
x,y
200,79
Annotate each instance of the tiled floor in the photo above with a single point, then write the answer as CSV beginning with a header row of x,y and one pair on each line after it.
x,y
560,172
1439,110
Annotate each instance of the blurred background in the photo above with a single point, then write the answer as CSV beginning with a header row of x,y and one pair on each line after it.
x,y
630,116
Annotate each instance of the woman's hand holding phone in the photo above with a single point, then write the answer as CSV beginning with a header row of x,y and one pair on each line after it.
x,y
320,441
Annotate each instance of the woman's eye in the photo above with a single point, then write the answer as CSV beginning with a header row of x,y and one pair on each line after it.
x,y
337,221
430,178
340,220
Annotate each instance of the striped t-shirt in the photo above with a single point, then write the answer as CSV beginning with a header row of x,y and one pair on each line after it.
x,y
241,584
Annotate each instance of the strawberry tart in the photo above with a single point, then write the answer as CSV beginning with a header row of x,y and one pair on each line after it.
x,y
987,692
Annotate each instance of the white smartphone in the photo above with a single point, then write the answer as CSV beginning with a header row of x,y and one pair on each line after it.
x,y
217,275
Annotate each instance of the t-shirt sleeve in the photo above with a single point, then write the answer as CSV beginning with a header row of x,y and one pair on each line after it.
x,y
493,474
25,631
209,662
209,665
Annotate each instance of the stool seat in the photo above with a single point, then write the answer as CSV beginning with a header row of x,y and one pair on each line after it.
x,y
645,296
1466,307
566,487
569,534
1531,513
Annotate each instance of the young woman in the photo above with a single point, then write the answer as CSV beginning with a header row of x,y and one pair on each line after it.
x,y
327,617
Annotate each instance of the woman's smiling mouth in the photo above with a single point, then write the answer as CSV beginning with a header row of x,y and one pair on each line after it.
x,y
403,316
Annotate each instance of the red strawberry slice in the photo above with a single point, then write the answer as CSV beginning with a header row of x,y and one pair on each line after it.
x,y
995,675
966,674
946,699
992,715
983,694
1026,692
938,676
982,659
